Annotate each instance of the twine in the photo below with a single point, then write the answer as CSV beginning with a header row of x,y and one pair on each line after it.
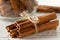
x,y
33,19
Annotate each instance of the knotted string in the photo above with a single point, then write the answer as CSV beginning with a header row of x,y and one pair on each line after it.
x,y
33,19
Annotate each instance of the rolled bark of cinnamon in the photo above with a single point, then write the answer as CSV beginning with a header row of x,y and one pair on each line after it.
x,y
16,6
22,7
26,23
44,8
42,27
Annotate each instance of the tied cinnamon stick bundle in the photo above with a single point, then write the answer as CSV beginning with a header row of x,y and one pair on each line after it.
x,y
44,8
20,28
16,6
42,19
41,28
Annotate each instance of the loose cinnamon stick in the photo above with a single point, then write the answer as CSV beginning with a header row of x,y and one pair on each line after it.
x,y
16,6
42,27
22,7
44,8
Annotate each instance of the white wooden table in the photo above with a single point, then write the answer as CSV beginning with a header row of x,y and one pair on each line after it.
x,y
47,35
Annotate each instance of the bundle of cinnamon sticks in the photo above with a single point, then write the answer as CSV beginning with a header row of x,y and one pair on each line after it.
x,y
25,27
44,8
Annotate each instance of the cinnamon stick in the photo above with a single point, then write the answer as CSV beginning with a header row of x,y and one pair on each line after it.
x,y
16,6
44,8
42,27
22,7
